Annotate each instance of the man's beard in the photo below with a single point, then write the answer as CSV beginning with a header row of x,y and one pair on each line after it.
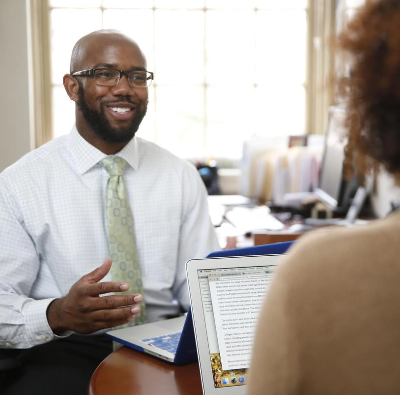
x,y
101,126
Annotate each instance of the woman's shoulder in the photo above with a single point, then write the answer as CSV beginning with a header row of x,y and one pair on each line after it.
x,y
334,246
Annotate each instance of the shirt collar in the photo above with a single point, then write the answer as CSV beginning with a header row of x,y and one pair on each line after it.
x,y
86,155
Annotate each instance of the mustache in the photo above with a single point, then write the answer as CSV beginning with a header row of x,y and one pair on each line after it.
x,y
121,99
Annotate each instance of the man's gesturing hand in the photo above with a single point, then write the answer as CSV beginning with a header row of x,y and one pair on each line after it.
x,y
82,310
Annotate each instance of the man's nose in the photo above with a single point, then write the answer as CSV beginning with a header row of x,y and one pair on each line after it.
x,y
123,88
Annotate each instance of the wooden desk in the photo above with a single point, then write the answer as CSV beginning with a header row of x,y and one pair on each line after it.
x,y
127,371
270,238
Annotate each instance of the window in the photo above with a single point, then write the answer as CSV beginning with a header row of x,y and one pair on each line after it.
x,y
224,70
347,10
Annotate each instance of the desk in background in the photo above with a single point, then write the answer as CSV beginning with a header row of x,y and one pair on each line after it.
x,y
271,238
127,371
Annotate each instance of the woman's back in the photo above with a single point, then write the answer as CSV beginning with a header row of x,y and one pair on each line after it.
x,y
331,324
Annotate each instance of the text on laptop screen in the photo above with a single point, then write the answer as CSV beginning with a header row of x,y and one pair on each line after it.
x,y
231,300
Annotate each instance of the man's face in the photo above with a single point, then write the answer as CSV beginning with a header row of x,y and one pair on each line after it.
x,y
111,113
110,130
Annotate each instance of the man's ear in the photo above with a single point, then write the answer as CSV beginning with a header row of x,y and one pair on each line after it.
x,y
71,86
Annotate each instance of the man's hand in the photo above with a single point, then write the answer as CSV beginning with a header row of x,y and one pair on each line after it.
x,y
82,310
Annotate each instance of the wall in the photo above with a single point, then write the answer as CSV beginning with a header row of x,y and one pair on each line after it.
x,y
16,134
229,181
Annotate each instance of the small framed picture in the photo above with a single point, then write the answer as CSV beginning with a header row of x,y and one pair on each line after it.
x,y
298,141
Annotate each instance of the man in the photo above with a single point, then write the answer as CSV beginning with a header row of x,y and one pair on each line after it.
x,y
55,227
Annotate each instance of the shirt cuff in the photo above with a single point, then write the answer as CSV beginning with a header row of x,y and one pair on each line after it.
x,y
36,324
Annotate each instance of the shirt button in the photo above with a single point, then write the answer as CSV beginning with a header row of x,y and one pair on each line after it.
x,y
43,337
8,344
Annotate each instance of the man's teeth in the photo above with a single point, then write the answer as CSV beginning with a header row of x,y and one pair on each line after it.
x,y
120,110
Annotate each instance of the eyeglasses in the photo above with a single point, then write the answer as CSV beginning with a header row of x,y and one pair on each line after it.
x,y
111,77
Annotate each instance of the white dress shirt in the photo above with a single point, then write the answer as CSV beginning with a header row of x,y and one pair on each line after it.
x,y
53,229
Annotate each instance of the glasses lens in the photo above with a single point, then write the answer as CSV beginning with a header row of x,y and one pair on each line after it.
x,y
140,79
107,77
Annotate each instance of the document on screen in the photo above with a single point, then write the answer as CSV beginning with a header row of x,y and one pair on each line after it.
x,y
236,302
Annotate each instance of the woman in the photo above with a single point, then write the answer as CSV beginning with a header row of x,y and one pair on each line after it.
x,y
331,320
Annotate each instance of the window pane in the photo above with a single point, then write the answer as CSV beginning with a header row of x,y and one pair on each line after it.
x,y
281,46
128,3
281,4
179,51
230,112
137,24
179,120
147,128
221,75
75,3
179,3
353,3
85,21
280,110
63,112
230,4
230,51
349,14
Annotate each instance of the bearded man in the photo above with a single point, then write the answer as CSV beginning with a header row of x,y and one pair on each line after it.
x,y
95,227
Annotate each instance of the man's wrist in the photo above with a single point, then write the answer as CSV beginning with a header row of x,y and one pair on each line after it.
x,y
54,317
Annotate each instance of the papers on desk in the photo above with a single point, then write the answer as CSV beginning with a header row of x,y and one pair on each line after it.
x,y
218,204
230,200
217,212
256,218
270,169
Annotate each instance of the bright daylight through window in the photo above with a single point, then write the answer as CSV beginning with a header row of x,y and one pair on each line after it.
x,y
224,70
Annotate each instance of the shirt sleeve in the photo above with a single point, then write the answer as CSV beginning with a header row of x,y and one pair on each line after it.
x,y
23,321
198,237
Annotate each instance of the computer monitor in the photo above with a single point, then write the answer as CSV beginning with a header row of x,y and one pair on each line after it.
x,y
333,190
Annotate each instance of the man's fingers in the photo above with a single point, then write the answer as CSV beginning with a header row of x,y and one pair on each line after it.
x,y
117,301
95,302
83,310
99,273
105,287
110,318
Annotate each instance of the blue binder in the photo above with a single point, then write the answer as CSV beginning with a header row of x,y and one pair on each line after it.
x,y
267,249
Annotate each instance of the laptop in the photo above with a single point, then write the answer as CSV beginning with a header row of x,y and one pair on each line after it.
x,y
226,295
173,340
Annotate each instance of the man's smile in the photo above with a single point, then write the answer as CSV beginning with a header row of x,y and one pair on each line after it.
x,y
120,110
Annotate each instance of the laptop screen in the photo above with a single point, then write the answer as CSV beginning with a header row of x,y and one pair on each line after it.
x,y
231,299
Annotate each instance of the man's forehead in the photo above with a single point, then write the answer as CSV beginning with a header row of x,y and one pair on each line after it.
x,y
111,49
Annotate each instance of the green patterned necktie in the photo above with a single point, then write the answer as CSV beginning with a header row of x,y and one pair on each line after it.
x,y
125,266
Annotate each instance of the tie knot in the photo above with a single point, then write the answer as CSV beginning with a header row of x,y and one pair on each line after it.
x,y
114,165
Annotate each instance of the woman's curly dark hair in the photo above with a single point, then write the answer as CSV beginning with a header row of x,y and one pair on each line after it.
x,y
371,89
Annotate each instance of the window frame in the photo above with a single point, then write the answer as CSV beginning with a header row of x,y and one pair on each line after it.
x,y
319,93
